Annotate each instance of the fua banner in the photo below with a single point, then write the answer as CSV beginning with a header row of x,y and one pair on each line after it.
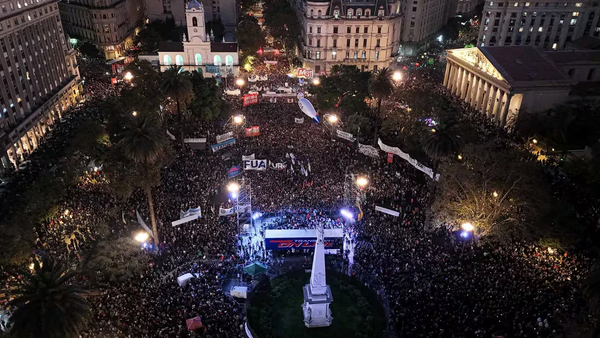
x,y
255,165
224,137
345,135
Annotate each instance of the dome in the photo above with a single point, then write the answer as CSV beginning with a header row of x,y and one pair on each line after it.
x,y
194,4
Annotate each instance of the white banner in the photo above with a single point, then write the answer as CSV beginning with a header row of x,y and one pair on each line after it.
x,y
143,224
171,136
297,120
396,151
190,212
277,166
226,212
249,157
387,211
345,135
368,150
184,220
224,137
194,140
254,164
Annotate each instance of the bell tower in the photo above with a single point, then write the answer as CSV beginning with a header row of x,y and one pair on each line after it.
x,y
194,14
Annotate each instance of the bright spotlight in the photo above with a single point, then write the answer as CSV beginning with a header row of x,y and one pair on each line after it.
x,y
347,214
128,76
240,82
397,76
495,194
234,194
233,187
134,113
464,234
238,119
142,237
332,119
534,141
256,215
316,81
467,226
362,182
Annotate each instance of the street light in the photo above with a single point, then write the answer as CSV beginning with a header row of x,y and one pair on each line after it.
x,y
316,81
238,119
362,181
460,157
534,141
468,227
128,76
134,113
397,76
240,82
142,236
495,194
332,119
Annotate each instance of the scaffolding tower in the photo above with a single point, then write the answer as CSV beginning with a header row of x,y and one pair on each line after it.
x,y
243,203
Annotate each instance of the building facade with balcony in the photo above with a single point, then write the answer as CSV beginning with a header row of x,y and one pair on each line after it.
x,y
548,25
365,34
199,51
109,24
39,75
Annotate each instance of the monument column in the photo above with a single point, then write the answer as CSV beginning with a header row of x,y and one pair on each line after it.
x,y
317,294
447,74
504,114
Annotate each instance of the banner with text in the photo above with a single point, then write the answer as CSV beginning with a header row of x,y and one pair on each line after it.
x,y
224,137
196,143
387,211
368,150
396,151
345,135
219,146
255,165
253,131
277,166
234,171
250,99
226,212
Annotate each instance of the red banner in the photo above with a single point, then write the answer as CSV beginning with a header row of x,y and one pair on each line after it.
x,y
253,131
250,99
113,80
390,157
306,73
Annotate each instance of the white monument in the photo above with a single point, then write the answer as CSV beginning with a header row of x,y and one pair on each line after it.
x,y
317,294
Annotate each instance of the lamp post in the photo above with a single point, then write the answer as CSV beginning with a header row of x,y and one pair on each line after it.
x,y
397,76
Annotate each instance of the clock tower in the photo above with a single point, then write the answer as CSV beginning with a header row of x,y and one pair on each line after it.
x,y
194,14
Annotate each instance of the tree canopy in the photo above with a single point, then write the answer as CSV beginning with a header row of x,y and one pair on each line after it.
x,y
249,35
282,23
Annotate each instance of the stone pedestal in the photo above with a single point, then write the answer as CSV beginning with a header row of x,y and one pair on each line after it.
x,y
316,308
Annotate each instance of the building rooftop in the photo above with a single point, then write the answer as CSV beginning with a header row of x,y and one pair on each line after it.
x,y
523,63
170,46
221,47
586,42
575,57
194,4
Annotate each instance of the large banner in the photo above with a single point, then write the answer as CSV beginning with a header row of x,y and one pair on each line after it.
x,y
297,120
234,171
277,166
396,151
219,146
387,211
196,143
250,99
301,239
306,73
226,212
224,137
368,150
253,131
345,135
255,164
187,216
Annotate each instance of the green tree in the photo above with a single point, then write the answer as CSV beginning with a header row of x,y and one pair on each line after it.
x,y
206,104
47,302
249,35
500,191
145,95
145,143
148,40
178,87
443,140
282,23
119,259
381,86
343,89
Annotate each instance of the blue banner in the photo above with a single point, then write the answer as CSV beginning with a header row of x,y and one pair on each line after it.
x,y
212,69
225,144
234,171
300,243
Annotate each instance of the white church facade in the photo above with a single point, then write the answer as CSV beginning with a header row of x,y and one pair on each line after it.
x,y
199,51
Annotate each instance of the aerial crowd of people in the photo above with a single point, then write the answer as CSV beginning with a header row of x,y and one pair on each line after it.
x,y
435,283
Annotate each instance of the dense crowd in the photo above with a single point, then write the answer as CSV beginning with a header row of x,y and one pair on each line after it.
x,y
436,284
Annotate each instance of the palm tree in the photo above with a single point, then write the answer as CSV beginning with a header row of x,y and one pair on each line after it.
x,y
145,143
381,86
47,304
177,85
443,140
